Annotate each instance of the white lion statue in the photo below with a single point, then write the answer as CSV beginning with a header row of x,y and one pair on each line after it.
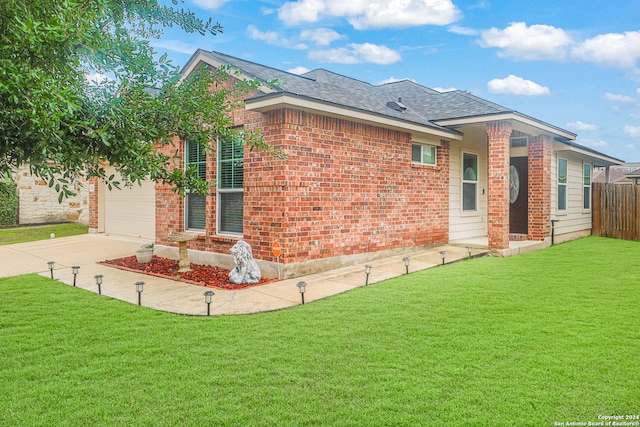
x,y
246,269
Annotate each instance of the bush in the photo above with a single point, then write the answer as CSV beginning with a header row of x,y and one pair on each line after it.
x,y
8,204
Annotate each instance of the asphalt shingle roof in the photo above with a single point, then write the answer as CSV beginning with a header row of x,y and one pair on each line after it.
x,y
423,105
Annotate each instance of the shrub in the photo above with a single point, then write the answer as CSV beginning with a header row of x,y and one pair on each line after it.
x,y
8,204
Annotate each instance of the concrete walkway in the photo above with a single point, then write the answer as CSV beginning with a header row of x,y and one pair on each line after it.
x,y
176,297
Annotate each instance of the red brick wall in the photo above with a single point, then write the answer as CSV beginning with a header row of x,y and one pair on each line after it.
x,y
346,188
93,203
540,153
498,184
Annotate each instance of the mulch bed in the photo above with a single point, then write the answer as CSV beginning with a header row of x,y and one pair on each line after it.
x,y
203,275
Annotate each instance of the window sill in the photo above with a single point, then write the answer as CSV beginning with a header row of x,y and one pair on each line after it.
x,y
224,238
424,166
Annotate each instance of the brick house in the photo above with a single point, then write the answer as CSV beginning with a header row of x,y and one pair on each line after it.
x,y
372,170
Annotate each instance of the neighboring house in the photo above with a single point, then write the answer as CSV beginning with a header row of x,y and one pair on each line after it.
x,y
616,174
38,203
373,170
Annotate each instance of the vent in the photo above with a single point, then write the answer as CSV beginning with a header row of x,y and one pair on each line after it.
x,y
397,105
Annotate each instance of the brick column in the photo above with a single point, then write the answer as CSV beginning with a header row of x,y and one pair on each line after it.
x,y
94,207
540,152
498,134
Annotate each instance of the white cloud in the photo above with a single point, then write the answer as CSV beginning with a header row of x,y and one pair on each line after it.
x,y
365,14
394,80
274,38
578,125
176,46
529,43
618,98
515,85
210,4
443,89
593,143
464,31
95,79
321,36
298,70
631,146
632,131
482,4
356,54
612,49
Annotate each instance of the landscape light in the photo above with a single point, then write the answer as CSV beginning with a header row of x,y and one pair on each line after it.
x,y
98,278
302,287
442,255
406,264
367,271
51,264
139,286
74,270
469,249
208,297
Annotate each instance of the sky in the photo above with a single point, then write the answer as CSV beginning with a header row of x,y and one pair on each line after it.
x,y
572,64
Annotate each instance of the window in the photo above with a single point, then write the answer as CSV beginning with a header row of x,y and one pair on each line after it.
x,y
518,142
230,186
469,182
586,186
562,184
425,154
194,206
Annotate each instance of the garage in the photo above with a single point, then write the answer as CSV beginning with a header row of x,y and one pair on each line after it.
x,y
130,211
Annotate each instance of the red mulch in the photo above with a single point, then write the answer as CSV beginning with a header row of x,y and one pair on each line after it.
x,y
203,275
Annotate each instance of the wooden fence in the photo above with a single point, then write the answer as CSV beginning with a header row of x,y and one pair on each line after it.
x,y
616,211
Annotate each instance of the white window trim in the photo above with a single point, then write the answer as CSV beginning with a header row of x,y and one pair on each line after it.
x,y
219,191
422,147
463,181
566,185
590,186
185,205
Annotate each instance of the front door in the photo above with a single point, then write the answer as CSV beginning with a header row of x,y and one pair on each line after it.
x,y
518,195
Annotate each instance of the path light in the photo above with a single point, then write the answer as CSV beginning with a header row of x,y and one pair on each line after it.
x,y
74,270
51,264
469,249
442,255
367,271
302,287
139,286
208,296
406,264
98,278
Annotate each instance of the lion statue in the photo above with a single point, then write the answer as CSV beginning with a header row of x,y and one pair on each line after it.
x,y
246,269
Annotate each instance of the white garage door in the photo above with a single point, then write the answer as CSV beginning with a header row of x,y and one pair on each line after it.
x,y
131,211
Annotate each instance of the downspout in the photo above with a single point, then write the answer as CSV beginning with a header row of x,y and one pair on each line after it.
x,y
553,230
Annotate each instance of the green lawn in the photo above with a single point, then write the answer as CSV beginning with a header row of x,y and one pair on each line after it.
x,y
552,336
9,236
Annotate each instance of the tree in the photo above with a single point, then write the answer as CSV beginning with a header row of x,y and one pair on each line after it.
x,y
65,126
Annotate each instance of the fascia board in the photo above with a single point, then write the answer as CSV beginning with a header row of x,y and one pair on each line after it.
x,y
286,100
201,56
594,155
525,120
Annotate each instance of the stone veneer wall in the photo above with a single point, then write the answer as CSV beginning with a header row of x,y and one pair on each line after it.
x,y
39,203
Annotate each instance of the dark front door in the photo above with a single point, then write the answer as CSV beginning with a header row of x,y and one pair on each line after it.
x,y
518,195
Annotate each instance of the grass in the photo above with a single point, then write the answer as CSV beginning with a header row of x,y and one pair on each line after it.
x,y
9,236
552,336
